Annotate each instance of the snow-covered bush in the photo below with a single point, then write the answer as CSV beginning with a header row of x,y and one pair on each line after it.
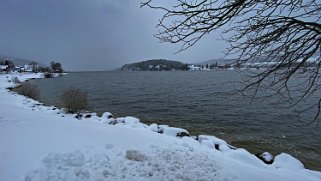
x,y
74,100
29,90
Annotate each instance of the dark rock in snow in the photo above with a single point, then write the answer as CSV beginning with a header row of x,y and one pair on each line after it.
x,y
116,121
161,128
266,157
232,147
88,116
182,134
217,146
195,137
120,120
112,122
78,116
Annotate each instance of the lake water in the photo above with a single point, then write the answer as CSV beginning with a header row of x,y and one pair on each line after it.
x,y
200,102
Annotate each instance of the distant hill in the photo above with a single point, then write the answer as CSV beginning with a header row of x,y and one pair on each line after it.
x,y
155,65
17,61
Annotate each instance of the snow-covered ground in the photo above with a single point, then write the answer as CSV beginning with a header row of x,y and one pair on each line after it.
x,y
42,143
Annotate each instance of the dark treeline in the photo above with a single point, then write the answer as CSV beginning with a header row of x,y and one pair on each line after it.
x,y
155,65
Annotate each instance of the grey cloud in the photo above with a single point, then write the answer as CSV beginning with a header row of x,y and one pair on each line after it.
x,y
89,35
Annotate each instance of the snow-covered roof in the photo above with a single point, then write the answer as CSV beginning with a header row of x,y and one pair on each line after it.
x,y
3,67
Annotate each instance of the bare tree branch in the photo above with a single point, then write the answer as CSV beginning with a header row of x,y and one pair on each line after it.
x,y
287,33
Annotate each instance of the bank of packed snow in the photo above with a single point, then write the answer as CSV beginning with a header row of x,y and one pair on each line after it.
x,y
43,143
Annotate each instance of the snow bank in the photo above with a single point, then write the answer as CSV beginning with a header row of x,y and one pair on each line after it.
x,y
43,143
287,161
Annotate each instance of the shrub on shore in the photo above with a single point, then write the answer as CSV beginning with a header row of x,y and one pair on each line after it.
x,y
74,100
29,90
48,75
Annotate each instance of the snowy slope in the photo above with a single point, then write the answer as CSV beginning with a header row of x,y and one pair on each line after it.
x,y
37,143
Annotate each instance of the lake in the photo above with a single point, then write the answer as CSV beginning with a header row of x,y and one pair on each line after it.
x,y
199,101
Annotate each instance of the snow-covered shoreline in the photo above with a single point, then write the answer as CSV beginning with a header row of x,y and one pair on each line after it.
x,y
42,143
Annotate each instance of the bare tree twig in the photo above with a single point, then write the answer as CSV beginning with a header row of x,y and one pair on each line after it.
x,y
287,33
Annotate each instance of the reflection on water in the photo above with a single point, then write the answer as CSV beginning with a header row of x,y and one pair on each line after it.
x,y
198,101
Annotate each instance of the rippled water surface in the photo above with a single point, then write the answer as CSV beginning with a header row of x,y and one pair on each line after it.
x,y
198,101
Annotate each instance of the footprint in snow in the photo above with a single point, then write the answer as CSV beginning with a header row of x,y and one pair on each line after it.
x,y
6,121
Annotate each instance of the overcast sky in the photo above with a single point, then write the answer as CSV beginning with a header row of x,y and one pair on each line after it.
x,y
90,34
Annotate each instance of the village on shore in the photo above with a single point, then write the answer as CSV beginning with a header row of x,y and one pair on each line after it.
x,y
7,65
